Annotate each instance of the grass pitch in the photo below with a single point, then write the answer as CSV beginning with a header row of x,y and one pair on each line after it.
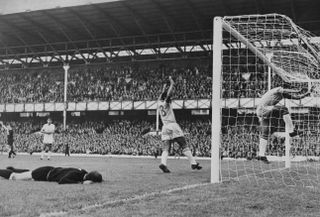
x,y
136,187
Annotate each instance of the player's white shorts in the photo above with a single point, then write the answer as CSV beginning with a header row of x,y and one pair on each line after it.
x,y
263,111
171,131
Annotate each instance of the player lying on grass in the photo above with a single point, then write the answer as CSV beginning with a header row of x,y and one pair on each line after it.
x,y
52,174
269,114
171,131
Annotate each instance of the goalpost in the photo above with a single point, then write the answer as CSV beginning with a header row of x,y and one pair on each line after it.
x,y
251,54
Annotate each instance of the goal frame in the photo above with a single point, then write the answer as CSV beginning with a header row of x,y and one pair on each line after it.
x,y
218,26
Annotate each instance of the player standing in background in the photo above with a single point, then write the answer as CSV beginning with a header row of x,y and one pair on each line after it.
x,y
171,131
267,111
48,138
9,132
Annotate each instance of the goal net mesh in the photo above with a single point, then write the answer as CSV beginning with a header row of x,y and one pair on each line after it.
x,y
260,52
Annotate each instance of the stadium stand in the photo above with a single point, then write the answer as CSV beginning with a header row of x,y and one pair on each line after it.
x,y
123,137
106,83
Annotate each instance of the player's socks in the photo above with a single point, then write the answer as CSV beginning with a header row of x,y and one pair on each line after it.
x,y
49,155
21,176
262,146
288,122
42,155
164,168
191,159
196,166
164,157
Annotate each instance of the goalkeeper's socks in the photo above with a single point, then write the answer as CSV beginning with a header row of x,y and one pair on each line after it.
x,y
164,168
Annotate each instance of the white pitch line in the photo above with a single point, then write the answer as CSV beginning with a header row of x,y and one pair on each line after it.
x,y
129,199
143,196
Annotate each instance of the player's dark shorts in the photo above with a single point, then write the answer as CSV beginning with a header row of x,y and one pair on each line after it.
x,y
10,142
5,173
272,120
41,173
47,146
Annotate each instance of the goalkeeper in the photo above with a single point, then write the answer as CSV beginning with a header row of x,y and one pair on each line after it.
x,y
61,175
268,112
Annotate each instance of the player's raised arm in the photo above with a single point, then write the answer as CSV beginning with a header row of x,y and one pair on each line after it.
x,y
170,87
163,90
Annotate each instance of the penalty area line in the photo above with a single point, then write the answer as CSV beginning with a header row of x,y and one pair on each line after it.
x,y
124,200
143,196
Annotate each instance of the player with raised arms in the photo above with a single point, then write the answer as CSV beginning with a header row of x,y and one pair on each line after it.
x,y
268,110
171,131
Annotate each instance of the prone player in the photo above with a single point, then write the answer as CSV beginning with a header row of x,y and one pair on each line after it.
x,y
60,175
268,111
171,131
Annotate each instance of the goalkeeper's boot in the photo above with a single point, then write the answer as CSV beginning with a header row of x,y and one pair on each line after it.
x,y
296,132
164,168
263,159
196,166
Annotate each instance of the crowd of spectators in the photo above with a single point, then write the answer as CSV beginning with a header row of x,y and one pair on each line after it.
x,y
124,137
242,78
112,137
132,81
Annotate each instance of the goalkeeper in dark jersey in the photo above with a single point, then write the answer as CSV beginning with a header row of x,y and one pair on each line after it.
x,y
60,175
268,111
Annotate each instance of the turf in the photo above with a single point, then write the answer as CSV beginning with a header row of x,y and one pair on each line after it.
x,y
136,187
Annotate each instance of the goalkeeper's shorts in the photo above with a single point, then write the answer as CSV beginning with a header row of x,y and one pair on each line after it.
x,y
5,173
171,131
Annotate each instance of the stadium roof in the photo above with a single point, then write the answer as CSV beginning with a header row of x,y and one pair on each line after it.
x,y
105,29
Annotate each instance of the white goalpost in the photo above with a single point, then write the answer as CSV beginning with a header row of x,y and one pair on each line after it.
x,y
252,54
216,95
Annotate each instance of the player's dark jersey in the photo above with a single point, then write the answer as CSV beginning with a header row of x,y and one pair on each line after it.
x,y
59,174
66,175
10,136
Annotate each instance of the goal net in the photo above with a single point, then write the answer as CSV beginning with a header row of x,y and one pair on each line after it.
x,y
251,55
